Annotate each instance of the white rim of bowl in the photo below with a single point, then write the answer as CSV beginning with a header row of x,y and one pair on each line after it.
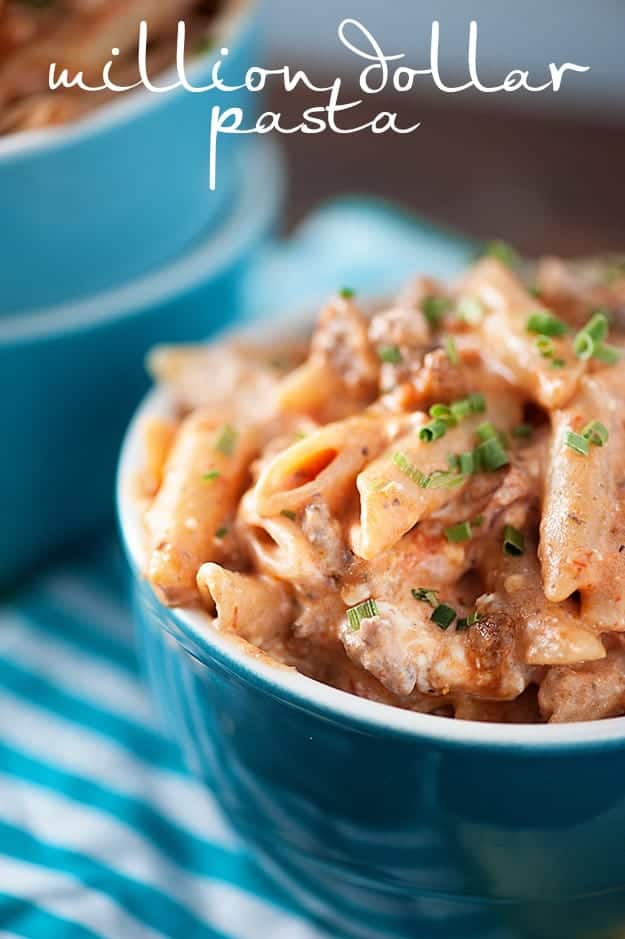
x,y
231,22
261,175
307,691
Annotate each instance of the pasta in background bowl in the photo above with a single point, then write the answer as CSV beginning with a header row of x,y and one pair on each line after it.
x,y
421,510
98,189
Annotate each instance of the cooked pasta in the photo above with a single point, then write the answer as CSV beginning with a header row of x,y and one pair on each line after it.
x,y
425,507
79,35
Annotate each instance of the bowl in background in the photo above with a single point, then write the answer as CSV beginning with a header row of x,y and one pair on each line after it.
x,y
382,822
70,376
92,204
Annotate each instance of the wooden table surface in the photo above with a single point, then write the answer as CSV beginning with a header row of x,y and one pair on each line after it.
x,y
546,184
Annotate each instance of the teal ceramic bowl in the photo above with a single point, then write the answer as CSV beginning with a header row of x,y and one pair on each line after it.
x,y
382,822
90,205
71,376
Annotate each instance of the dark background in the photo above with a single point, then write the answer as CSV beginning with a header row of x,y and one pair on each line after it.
x,y
547,183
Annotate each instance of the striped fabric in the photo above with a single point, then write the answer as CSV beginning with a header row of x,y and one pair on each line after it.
x,y
102,832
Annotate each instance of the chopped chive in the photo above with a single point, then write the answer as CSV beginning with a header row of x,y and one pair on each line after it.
x,y
597,326
211,475
442,479
486,431
478,520
390,354
558,363
584,346
513,541
523,431
467,463
467,621
443,615
444,413
471,310
490,455
460,409
451,350
226,440
347,293
424,595
460,532
356,614
434,309
453,461
403,464
609,355
433,430
502,251
589,341
221,533
546,324
288,514
473,404
477,402
577,442
596,433
545,347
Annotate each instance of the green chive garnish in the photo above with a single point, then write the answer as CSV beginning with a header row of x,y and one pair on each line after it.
x,y
589,341
558,363
433,431
347,293
478,520
288,514
523,431
451,350
486,431
356,614
467,621
545,347
477,402
513,541
211,475
502,251
434,309
390,354
444,413
609,355
460,532
425,595
221,533
443,615
226,440
403,464
490,455
442,479
546,324
596,433
577,442
467,463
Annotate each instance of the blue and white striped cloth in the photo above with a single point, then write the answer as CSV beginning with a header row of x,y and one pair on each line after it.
x,y
102,832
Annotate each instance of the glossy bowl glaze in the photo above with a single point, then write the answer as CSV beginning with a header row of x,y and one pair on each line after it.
x,y
71,376
92,204
383,822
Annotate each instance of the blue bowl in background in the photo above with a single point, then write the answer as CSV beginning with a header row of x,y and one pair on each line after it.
x,y
381,822
92,204
70,376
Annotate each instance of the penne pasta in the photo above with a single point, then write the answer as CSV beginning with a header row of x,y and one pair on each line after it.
x,y
324,464
427,510
580,494
254,607
203,479
506,340
393,497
